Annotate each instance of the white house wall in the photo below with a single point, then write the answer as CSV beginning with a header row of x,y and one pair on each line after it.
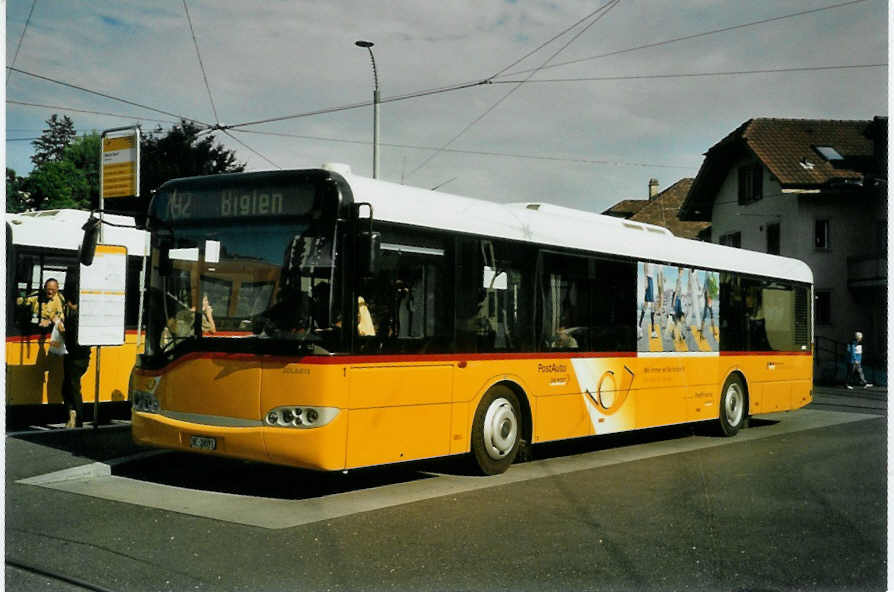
x,y
852,233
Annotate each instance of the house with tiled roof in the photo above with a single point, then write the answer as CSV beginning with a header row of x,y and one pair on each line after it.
x,y
664,210
626,208
815,190
661,209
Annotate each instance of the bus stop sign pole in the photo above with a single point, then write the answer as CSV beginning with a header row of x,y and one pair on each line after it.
x,y
119,176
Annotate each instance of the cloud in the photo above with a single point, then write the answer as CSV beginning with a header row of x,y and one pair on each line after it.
x,y
276,58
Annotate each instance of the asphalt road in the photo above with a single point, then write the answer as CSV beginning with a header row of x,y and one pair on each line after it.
x,y
674,510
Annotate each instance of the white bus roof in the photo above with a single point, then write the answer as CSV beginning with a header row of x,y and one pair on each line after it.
x,y
62,229
559,226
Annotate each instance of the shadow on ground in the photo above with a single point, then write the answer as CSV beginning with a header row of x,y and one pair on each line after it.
x,y
103,444
232,476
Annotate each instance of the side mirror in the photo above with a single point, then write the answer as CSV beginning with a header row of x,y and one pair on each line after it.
x,y
91,238
369,251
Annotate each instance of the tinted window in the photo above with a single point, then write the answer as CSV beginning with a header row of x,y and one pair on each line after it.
x,y
32,270
408,303
495,293
587,304
762,315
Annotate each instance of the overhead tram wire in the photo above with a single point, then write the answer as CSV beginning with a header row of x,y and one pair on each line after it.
x,y
22,38
475,152
694,74
235,139
545,43
421,93
693,36
74,110
107,96
486,81
201,64
596,16
362,104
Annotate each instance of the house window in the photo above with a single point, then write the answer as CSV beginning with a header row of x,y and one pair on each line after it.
x,y
829,153
773,238
821,234
751,183
823,307
731,239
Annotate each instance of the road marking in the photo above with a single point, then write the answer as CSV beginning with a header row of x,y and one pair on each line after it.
x,y
96,480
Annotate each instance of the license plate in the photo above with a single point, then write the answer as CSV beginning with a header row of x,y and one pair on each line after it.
x,y
203,443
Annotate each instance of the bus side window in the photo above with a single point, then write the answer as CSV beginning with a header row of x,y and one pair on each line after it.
x,y
32,271
567,314
494,296
732,313
21,289
612,288
408,299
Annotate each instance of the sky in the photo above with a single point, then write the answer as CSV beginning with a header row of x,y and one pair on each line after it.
x,y
584,144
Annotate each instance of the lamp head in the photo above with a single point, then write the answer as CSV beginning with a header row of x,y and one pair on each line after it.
x,y
366,44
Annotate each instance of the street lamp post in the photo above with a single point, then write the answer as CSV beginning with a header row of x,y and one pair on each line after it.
x,y
368,45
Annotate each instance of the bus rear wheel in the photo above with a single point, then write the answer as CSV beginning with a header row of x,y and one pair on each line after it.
x,y
733,406
496,430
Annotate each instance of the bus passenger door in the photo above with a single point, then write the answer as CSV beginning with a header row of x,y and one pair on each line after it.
x,y
400,389
33,375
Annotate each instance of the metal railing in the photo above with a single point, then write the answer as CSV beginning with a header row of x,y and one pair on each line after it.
x,y
831,361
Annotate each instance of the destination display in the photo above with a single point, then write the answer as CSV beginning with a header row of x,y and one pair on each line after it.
x,y
256,201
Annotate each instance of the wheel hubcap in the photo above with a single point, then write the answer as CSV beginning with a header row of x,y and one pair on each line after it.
x,y
734,404
500,429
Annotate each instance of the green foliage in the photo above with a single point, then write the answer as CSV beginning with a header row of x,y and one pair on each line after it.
x,y
50,146
83,153
55,185
16,196
66,171
181,152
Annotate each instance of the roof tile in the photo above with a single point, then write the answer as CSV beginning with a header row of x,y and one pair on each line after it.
x,y
663,209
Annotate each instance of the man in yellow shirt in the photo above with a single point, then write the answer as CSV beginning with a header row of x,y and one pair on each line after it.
x,y
48,306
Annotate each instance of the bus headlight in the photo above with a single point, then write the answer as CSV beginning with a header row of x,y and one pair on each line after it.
x,y
300,417
142,393
144,401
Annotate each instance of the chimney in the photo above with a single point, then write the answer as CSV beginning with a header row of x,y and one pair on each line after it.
x,y
653,188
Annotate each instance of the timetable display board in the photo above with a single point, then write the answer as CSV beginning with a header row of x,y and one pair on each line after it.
x,y
120,163
101,297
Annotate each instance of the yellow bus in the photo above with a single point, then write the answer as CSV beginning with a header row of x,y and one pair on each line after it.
x,y
41,246
324,320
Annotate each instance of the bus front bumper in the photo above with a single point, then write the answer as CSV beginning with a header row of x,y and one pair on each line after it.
x,y
321,448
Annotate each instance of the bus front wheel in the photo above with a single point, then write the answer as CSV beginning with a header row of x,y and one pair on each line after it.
x,y
733,406
496,430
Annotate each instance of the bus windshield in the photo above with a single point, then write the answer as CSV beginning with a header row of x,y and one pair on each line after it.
x,y
232,282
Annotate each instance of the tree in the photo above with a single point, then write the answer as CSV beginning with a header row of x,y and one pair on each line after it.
x,y
181,152
16,196
50,146
83,153
58,184
66,171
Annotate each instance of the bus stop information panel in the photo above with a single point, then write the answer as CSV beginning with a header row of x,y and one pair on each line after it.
x,y
101,297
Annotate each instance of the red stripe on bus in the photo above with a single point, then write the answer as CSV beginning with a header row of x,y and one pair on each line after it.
x,y
38,337
404,358
378,359
765,353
